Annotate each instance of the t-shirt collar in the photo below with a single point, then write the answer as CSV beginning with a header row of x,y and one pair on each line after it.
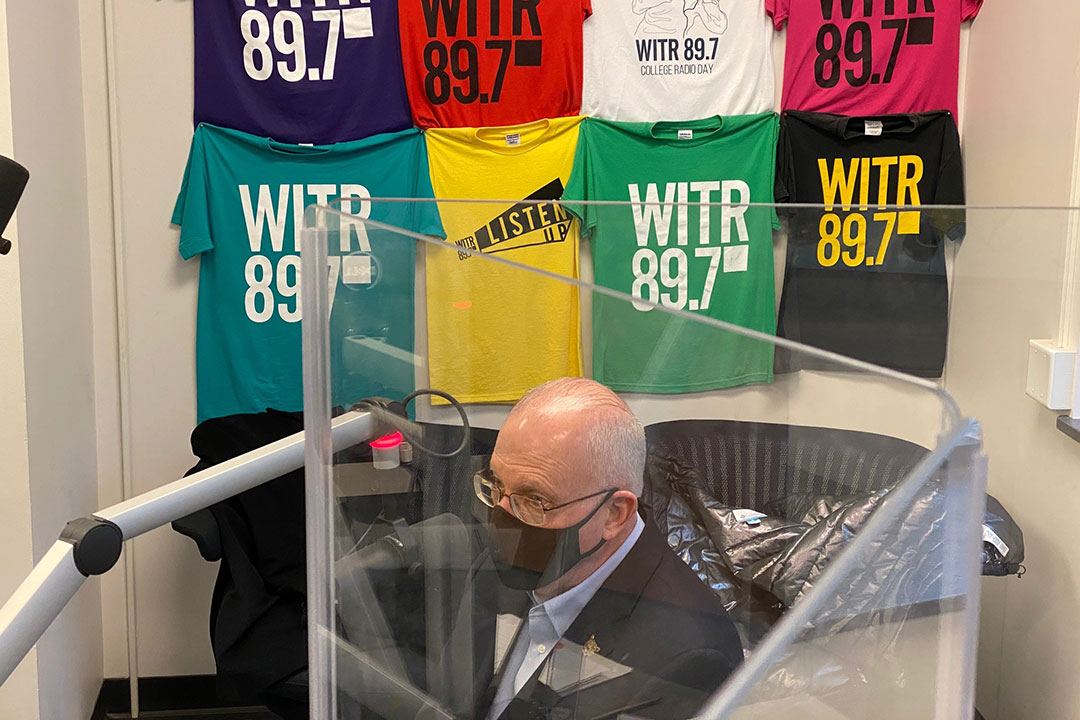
x,y
702,130
853,127
299,149
529,136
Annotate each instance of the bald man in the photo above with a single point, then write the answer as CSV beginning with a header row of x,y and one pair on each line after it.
x,y
616,622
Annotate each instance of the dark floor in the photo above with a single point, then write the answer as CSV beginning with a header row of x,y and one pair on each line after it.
x,y
241,713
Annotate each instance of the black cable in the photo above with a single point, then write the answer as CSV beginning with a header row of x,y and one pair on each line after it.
x,y
466,431
395,415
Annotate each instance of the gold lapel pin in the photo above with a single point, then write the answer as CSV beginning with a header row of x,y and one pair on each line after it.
x,y
590,648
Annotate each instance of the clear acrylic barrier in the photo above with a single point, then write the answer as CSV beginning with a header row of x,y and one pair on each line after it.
x,y
829,508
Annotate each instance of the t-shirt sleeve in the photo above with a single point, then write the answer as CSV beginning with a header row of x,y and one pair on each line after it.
x,y
192,210
774,128
778,11
950,187
586,8
970,9
784,188
426,214
578,187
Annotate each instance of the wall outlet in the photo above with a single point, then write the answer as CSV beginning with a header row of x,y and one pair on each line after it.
x,y
1050,374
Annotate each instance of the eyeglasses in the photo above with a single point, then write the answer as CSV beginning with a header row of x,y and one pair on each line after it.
x,y
526,508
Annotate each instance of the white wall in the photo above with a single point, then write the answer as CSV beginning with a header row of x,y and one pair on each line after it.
x,y
18,696
153,96
43,51
1019,135
110,460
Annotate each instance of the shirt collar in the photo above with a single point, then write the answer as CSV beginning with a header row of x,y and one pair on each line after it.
x,y
564,608
850,127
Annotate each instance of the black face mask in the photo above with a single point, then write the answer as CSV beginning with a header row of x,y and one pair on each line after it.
x,y
529,557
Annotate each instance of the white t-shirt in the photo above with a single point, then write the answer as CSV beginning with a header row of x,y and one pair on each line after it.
x,y
650,60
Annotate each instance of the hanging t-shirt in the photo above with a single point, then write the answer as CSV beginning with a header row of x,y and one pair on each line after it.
x,y
715,261
647,60
866,276
870,57
472,63
241,207
305,71
495,331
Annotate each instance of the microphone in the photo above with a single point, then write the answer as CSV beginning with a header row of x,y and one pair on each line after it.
x,y
432,559
439,543
13,179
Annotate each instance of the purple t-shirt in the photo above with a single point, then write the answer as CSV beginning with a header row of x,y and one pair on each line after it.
x,y
300,71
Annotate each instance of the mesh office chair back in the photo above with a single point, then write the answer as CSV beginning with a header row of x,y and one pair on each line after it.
x,y
749,464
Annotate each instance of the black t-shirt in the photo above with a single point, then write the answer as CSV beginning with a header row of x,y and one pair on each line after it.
x,y
866,278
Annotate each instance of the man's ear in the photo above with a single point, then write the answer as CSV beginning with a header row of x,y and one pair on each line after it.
x,y
623,507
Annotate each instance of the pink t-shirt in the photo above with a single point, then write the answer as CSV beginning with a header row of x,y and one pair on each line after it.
x,y
871,57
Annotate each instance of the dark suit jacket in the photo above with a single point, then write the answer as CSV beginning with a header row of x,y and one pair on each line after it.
x,y
652,615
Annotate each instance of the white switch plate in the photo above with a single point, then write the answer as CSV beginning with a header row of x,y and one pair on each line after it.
x,y
1050,374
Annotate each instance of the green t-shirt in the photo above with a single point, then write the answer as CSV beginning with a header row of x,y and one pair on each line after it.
x,y
660,250
241,207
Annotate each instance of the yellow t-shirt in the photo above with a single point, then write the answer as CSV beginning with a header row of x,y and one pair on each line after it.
x,y
495,331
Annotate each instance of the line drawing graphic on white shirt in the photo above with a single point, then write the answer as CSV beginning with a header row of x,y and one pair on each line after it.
x,y
679,17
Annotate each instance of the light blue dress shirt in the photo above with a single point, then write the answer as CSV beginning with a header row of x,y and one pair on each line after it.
x,y
548,622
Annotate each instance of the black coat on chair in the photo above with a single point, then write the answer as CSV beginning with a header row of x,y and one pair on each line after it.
x,y
258,628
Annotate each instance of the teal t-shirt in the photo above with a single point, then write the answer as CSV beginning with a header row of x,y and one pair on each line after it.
x,y
241,207
660,247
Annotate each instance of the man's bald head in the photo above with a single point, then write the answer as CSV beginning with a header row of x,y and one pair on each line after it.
x,y
564,444
589,423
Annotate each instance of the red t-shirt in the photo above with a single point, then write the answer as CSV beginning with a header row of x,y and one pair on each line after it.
x,y
482,63
871,57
